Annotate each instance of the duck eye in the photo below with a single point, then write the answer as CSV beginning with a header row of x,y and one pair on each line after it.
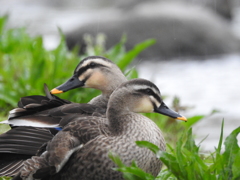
x,y
92,64
148,91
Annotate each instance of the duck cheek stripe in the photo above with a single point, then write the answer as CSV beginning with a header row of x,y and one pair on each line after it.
x,y
86,78
154,107
151,94
82,70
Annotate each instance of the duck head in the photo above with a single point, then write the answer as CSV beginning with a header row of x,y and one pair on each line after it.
x,y
94,72
142,97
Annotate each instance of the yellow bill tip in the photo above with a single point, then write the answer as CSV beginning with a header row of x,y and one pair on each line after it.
x,y
182,118
55,91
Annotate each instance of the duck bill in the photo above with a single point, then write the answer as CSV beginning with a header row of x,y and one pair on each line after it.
x,y
163,109
72,83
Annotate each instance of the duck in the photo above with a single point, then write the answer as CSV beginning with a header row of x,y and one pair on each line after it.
x,y
36,119
81,149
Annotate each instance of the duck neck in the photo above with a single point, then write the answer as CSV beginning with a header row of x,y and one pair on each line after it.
x,y
100,101
107,89
112,83
117,114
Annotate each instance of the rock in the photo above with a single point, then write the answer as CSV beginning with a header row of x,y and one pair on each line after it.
x,y
181,29
223,8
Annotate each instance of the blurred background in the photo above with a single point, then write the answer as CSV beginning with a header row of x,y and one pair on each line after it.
x,y
196,56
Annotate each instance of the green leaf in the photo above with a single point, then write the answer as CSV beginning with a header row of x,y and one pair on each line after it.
x,y
170,161
154,148
220,139
117,52
132,172
9,99
135,173
132,73
231,151
190,143
130,55
218,164
165,175
231,143
193,120
236,166
5,178
180,157
115,158
3,21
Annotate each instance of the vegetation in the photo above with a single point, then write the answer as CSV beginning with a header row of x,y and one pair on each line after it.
x,y
5,178
26,65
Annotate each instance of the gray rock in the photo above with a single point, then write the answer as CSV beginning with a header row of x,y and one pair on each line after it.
x,y
181,29
224,8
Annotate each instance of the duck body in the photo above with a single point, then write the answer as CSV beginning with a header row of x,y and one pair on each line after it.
x,y
81,152
96,151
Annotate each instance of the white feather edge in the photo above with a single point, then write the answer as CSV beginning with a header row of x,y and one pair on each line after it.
x,y
23,122
59,167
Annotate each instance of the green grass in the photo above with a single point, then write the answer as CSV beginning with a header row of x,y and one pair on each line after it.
x,y
5,178
3,127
